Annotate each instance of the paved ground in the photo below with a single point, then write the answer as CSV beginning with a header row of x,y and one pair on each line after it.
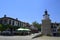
x,y
29,37
47,38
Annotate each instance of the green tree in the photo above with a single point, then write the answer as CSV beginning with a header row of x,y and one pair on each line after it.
x,y
1,27
36,24
4,27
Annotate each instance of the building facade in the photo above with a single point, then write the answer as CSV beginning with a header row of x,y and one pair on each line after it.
x,y
11,21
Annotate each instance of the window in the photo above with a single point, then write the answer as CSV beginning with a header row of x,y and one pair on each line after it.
x,y
9,21
12,22
18,23
51,26
1,21
5,21
54,30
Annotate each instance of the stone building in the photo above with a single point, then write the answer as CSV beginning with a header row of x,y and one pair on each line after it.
x,y
47,27
11,21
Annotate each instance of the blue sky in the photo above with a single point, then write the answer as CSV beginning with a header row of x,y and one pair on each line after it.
x,y
30,10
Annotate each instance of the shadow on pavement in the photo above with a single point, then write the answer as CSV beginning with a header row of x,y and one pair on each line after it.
x,y
40,35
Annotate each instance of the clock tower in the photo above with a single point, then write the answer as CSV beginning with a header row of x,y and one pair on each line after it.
x,y
46,24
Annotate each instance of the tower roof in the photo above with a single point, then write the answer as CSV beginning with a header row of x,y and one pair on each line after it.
x,y
46,12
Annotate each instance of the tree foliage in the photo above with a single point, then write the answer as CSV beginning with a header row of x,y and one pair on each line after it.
x,y
36,24
4,27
